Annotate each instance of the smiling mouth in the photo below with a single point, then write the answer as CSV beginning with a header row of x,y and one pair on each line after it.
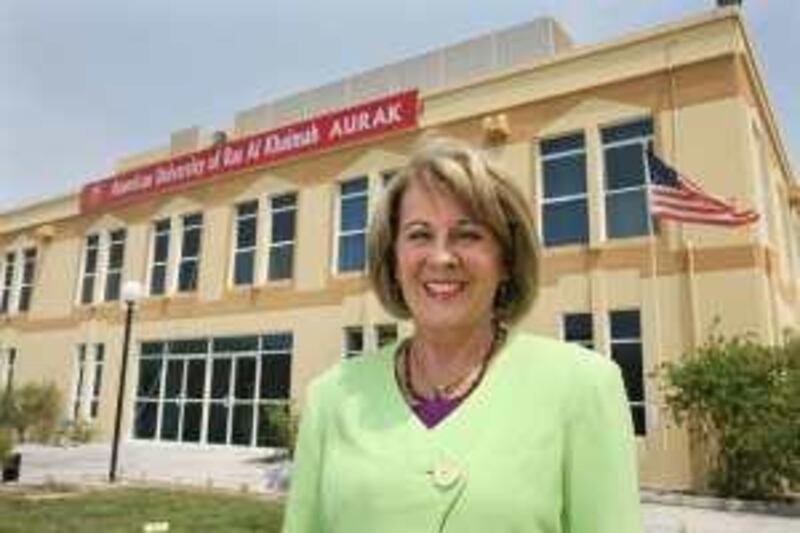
x,y
444,290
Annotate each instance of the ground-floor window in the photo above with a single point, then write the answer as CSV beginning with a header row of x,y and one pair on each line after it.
x,y
217,390
627,352
87,380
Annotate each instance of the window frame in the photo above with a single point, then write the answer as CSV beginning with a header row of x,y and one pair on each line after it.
x,y
339,234
9,277
112,276
97,366
27,278
584,197
379,334
183,259
271,245
646,142
236,252
588,343
153,262
638,405
348,351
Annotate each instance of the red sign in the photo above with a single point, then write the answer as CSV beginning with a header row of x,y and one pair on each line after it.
x,y
390,113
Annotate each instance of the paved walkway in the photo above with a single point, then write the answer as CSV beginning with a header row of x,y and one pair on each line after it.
x,y
250,470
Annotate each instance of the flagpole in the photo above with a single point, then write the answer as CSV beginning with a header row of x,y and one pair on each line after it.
x,y
688,246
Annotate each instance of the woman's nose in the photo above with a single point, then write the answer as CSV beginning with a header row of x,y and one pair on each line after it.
x,y
443,254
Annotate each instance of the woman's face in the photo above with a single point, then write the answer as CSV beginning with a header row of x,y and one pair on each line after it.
x,y
448,264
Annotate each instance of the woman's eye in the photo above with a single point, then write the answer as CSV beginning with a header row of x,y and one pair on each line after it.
x,y
468,235
418,235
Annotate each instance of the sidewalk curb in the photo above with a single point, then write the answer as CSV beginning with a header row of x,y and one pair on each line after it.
x,y
782,509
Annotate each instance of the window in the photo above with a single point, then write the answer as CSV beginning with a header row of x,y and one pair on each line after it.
x,y
352,230
28,273
160,257
87,380
116,257
626,178
353,341
282,236
577,328
385,334
18,273
103,259
189,265
90,264
626,351
80,376
244,256
221,390
565,212
97,379
8,282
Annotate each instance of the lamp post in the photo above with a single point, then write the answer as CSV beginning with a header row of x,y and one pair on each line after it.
x,y
131,291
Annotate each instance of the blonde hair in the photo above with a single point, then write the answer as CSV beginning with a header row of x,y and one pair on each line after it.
x,y
484,190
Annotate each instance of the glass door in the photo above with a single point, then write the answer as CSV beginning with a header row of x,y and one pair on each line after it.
x,y
219,400
244,400
193,400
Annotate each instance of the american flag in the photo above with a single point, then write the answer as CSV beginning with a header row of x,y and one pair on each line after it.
x,y
676,197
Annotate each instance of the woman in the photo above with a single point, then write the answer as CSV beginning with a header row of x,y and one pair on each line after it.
x,y
465,426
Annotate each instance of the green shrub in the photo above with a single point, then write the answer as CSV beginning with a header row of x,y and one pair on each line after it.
x,y
745,400
279,426
33,410
78,431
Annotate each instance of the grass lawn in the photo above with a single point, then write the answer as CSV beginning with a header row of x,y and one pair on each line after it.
x,y
129,509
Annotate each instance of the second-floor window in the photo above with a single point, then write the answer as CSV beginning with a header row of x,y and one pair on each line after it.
x,y
160,256
565,210
103,262
626,178
283,222
271,258
189,264
28,273
244,256
18,272
352,225
8,281
116,257
91,262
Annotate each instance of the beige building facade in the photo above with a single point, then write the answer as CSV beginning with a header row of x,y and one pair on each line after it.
x,y
253,276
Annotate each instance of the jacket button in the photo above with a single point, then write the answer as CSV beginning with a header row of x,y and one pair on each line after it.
x,y
445,475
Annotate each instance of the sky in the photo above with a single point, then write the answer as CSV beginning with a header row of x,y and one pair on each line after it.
x,y
86,82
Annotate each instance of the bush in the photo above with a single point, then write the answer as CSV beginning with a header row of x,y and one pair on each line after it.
x,y
745,400
33,410
80,431
279,425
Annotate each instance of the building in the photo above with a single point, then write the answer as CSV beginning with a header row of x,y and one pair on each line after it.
x,y
250,243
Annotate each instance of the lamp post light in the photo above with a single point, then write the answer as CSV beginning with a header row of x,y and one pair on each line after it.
x,y
131,291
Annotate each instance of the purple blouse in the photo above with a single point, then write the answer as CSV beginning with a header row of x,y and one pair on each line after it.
x,y
434,410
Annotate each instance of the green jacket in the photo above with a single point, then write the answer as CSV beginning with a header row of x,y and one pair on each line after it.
x,y
543,445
